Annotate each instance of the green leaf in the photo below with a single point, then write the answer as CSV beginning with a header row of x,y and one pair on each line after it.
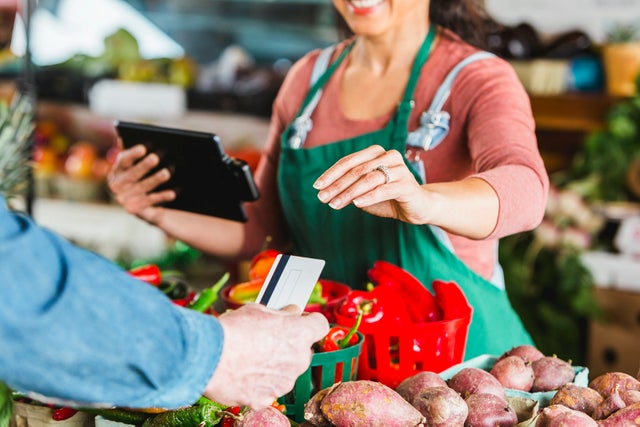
x,y
16,126
6,405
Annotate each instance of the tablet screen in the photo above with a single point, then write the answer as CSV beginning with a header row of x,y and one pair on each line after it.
x,y
206,180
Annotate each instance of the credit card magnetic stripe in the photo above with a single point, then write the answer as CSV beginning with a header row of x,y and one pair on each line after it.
x,y
275,277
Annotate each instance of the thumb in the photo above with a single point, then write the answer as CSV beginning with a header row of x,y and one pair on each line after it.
x,y
292,309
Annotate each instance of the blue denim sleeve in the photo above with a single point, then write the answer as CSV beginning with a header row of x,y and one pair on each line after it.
x,y
77,327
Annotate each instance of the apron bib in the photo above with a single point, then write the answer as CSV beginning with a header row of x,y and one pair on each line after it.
x,y
351,240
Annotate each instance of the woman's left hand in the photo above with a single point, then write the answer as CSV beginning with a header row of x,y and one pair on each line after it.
x,y
376,181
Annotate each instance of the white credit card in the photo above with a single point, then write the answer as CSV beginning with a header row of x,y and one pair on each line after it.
x,y
290,281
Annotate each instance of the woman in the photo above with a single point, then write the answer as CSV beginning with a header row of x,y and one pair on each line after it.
x,y
437,210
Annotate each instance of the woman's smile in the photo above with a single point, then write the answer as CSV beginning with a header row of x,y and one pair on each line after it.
x,y
364,7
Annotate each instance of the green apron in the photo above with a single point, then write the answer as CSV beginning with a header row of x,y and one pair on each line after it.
x,y
350,240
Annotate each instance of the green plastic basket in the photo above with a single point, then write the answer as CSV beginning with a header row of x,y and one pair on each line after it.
x,y
325,370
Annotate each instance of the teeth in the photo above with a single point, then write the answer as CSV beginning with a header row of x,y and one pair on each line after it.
x,y
365,4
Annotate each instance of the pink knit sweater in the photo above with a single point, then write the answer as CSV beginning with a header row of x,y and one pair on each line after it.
x,y
491,137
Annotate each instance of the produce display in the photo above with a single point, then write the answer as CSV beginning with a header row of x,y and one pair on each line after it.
x,y
67,167
470,396
521,387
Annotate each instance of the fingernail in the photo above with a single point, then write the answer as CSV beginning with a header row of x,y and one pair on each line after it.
x,y
357,202
318,184
335,204
323,196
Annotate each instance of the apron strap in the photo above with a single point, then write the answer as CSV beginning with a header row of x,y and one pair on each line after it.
x,y
406,105
434,123
302,125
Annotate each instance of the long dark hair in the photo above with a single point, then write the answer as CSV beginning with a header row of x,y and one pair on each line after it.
x,y
467,18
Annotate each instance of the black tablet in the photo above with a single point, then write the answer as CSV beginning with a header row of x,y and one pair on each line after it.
x,y
206,180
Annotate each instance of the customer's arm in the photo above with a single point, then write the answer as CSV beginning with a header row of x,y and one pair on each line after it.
x,y
75,326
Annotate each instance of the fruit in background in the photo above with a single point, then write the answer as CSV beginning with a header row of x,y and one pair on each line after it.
x,y
140,70
46,129
80,160
182,72
120,46
100,168
59,143
261,264
45,160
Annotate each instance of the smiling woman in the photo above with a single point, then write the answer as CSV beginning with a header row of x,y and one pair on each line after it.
x,y
345,114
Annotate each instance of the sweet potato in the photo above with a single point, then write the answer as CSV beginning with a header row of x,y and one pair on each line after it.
x,y
561,416
470,381
268,416
312,412
527,352
630,397
441,406
609,405
513,372
368,403
583,399
415,384
550,372
488,410
606,384
628,416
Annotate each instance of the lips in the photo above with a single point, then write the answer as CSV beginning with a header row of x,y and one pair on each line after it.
x,y
363,7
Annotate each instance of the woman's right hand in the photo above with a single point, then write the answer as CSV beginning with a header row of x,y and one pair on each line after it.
x,y
131,187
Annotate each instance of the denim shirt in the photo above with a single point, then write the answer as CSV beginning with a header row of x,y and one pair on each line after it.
x,y
75,326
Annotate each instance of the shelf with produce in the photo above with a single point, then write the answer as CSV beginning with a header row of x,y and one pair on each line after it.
x,y
564,121
581,112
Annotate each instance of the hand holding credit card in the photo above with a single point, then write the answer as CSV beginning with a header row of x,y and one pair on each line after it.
x,y
290,281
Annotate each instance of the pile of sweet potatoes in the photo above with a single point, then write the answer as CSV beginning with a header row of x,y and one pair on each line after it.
x,y
611,399
474,397
526,368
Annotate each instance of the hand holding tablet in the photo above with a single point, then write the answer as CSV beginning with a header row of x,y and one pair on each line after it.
x,y
206,180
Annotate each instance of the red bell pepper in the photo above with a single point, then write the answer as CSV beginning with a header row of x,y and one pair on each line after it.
x,y
262,263
231,414
420,304
64,413
452,300
149,273
362,302
380,305
340,337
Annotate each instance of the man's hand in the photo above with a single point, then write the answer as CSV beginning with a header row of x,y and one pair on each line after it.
x,y
264,352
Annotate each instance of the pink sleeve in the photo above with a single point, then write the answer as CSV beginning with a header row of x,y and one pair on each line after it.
x,y
503,145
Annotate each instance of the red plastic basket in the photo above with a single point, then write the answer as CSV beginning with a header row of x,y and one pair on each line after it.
x,y
391,355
